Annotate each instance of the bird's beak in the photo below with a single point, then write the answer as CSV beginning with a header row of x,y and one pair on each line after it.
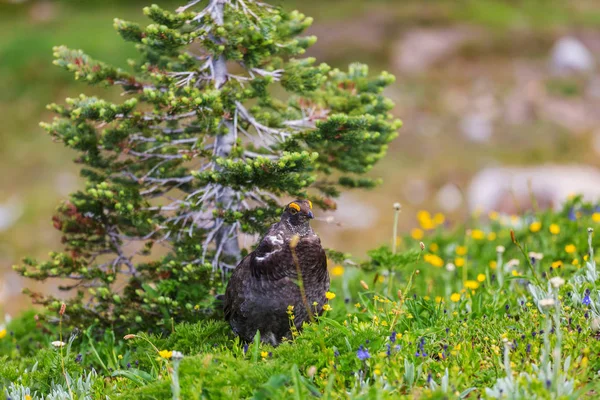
x,y
310,215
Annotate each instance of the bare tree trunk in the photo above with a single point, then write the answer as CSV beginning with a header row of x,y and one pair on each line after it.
x,y
223,146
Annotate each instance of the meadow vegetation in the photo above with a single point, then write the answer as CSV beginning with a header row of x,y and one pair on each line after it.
x,y
505,307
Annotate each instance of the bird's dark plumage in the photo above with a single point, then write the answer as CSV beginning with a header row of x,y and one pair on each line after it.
x,y
265,282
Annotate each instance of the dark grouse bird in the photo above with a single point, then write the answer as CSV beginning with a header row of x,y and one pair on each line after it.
x,y
265,282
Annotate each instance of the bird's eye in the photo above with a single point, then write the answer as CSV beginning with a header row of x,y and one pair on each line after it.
x,y
294,208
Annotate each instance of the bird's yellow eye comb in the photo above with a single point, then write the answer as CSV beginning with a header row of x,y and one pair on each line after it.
x,y
294,206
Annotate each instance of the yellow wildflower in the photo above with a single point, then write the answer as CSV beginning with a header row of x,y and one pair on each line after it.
x,y
330,295
570,248
557,264
417,234
423,215
586,257
28,397
427,224
455,297
434,260
491,236
120,356
438,299
535,226
2,333
493,215
377,371
459,261
554,229
477,234
461,250
327,307
596,217
338,270
471,284
434,247
493,264
439,218
515,272
481,277
425,220
165,354
264,354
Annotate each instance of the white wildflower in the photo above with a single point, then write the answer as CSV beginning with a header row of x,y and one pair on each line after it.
x,y
500,249
546,303
557,281
58,343
535,256
450,267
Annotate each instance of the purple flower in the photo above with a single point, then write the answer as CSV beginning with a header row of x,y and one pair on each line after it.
x,y
572,215
586,300
362,353
245,348
393,337
389,350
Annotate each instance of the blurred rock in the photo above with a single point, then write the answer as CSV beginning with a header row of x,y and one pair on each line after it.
x,y
570,55
508,190
477,123
477,127
449,197
420,49
10,212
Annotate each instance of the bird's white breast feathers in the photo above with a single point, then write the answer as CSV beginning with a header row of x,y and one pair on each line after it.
x,y
276,241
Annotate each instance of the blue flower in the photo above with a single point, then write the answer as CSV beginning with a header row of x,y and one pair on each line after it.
x,y
572,215
362,353
586,300
393,337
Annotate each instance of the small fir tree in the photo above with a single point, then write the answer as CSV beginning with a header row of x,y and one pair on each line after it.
x,y
220,121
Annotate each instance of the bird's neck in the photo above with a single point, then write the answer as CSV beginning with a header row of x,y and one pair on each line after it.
x,y
300,230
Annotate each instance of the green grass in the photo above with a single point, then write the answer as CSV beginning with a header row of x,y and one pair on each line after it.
x,y
431,331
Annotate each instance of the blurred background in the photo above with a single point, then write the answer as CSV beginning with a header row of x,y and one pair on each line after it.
x,y
500,99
